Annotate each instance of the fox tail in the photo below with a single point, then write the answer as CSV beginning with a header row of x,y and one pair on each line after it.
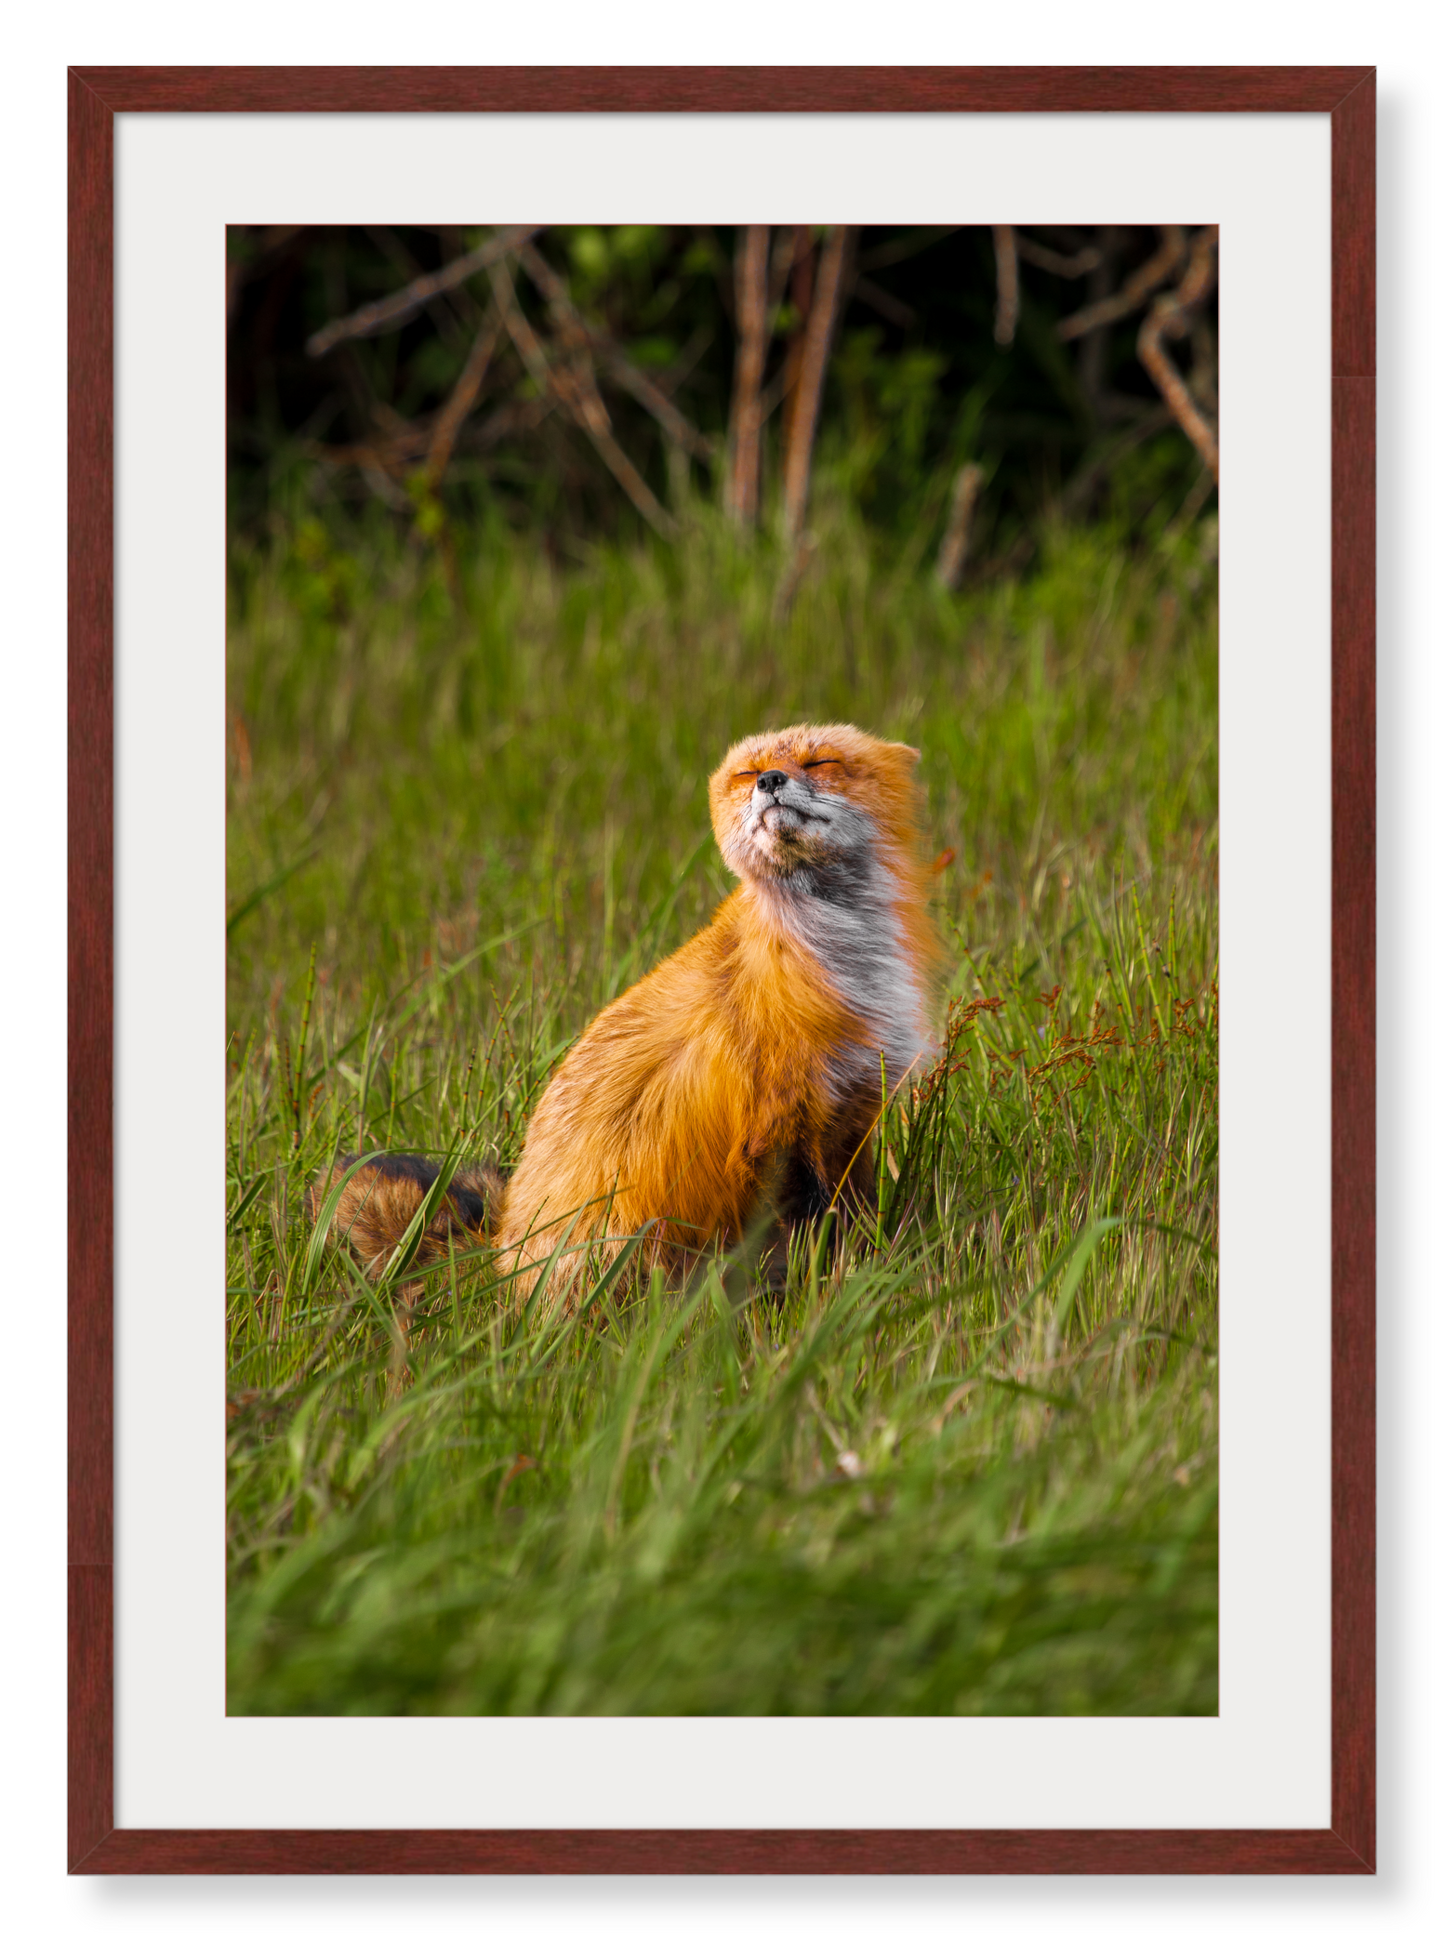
x,y
380,1201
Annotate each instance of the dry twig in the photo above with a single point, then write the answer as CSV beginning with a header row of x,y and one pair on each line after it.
x,y
464,395
575,387
399,453
652,398
1006,265
751,298
785,254
456,312
1055,262
1168,318
953,553
801,281
776,390
1093,361
1145,280
388,312
822,319
582,338
394,454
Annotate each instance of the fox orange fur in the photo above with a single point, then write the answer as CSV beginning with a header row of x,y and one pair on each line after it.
x,y
742,1076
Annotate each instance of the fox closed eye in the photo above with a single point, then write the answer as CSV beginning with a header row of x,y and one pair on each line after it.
x,y
818,762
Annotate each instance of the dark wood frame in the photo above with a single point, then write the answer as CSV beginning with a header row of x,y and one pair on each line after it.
x,y
96,1846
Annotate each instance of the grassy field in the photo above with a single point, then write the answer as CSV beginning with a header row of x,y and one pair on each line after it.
x,y
969,1466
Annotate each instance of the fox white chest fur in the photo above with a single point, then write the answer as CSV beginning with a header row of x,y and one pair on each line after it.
x,y
847,905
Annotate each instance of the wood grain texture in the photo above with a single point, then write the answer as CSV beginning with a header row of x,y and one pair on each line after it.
x,y
757,90
90,1210
834,1851
95,1845
1352,201
1352,1174
1352,1168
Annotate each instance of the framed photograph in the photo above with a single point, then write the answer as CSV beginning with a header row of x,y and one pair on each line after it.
x,y
776,821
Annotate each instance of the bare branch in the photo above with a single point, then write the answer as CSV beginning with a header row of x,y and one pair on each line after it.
x,y
581,337
953,553
1145,280
1006,264
776,390
822,318
389,312
399,452
678,427
393,454
1093,358
1078,265
751,299
633,484
463,397
456,313
654,400
802,279
1168,318
785,255
528,346
575,387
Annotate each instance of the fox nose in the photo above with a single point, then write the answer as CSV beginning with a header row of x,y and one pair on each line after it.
x,y
773,780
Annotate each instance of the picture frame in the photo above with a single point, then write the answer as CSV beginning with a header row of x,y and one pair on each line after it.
x,y
96,1844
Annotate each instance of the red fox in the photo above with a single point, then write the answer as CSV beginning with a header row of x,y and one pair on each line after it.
x,y
741,1078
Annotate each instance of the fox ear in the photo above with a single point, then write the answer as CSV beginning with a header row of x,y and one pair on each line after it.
x,y
914,755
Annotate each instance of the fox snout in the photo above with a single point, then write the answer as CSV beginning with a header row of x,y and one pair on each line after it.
x,y
782,805
776,789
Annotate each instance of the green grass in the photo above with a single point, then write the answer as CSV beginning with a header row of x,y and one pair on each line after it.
x,y
966,1466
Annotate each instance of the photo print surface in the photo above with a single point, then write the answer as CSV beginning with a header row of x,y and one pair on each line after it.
x,y
722,941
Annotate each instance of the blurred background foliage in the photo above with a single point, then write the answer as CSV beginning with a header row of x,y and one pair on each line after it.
x,y
942,349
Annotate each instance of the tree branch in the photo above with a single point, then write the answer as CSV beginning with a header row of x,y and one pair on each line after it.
x,y
1078,265
751,299
1168,318
822,319
1145,280
389,312
1006,266
582,338
575,387
463,397
953,553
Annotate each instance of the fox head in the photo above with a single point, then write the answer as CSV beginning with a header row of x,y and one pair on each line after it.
x,y
815,804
